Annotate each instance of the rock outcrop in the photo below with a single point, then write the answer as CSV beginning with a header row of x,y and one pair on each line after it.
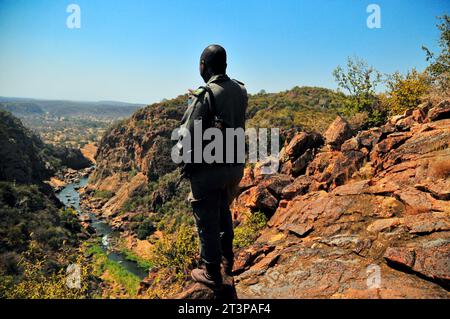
x,y
133,153
337,133
296,155
89,150
368,218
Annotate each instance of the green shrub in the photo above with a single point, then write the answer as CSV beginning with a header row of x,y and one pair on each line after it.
x,y
247,232
405,92
360,80
145,229
39,281
132,173
103,194
70,220
28,214
176,251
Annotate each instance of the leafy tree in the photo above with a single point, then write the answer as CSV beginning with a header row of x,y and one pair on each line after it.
x,y
439,68
405,91
360,80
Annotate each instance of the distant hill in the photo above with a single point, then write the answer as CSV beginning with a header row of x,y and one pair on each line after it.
x,y
307,108
26,159
22,108
60,108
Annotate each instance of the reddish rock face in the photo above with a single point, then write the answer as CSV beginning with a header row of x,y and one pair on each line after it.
x,y
331,229
247,256
302,142
299,186
429,258
262,197
331,169
439,189
286,167
299,165
441,111
300,230
258,198
351,144
401,256
369,138
339,230
248,180
338,132
388,144
428,222
276,183
296,155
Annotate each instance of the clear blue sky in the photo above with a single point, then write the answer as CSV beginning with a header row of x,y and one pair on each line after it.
x,y
144,51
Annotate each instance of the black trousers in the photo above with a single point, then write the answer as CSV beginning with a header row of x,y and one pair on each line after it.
x,y
212,191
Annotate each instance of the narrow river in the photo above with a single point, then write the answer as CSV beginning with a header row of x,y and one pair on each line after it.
x,y
70,197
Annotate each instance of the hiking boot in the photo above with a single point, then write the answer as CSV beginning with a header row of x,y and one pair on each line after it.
x,y
227,267
209,276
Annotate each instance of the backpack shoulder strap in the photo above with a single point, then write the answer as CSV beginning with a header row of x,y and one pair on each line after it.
x,y
216,120
212,101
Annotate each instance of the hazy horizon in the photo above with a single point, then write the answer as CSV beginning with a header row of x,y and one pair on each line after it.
x,y
68,100
142,103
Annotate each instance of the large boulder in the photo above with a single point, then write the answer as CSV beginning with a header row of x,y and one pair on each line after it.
x,y
258,198
331,169
276,183
300,143
296,155
337,133
299,186
440,111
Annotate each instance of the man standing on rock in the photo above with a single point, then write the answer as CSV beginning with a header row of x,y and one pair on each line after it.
x,y
220,104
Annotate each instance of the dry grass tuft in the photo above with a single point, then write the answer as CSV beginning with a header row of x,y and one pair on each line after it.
x,y
441,168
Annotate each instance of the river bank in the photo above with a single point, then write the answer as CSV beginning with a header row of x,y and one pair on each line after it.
x,y
68,176
104,241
